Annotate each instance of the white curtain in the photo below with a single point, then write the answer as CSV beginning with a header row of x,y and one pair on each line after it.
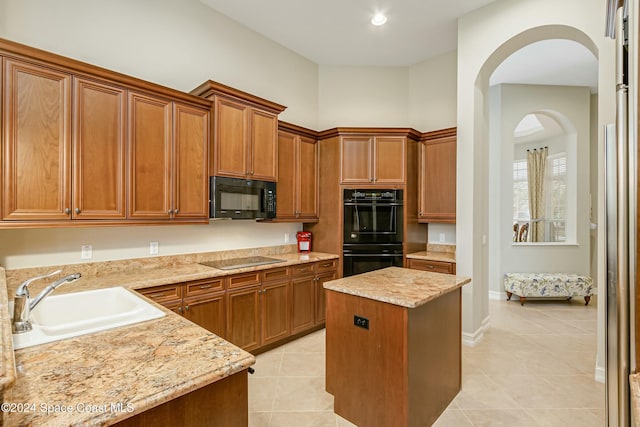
x,y
536,167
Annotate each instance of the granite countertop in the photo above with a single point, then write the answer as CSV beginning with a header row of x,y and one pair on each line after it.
x,y
433,256
138,366
443,252
399,286
634,385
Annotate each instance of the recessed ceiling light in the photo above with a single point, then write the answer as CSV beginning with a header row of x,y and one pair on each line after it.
x,y
378,19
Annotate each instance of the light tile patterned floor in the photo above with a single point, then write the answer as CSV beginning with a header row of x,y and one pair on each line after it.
x,y
534,367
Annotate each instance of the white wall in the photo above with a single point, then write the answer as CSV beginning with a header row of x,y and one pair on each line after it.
x,y
179,44
486,37
363,96
507,108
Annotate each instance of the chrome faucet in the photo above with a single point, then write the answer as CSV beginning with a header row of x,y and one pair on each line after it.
x,y
23,305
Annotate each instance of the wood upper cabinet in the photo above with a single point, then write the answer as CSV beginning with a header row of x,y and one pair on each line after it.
x,y
437,183
36,152
99,150
297,188
150,156
190,162
245,140
373,159
168,159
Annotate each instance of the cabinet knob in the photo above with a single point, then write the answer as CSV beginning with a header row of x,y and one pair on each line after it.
x,y
77,210
67,211
186,308
370,179
180,310
170,211
419,213
176,211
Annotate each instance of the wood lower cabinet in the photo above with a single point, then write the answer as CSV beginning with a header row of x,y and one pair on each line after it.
x,y
195,409
297,187
437,183
434,266
373,160
202,301
254,309
36,142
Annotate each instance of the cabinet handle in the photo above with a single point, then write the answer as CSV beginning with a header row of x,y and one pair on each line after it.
x,y
67,211
170,211
419,213
205,286
158,295
430,266
329,264
180,310
186,308
77,210
176,211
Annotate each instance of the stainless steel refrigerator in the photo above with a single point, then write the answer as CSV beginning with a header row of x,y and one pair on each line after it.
x,y
621,213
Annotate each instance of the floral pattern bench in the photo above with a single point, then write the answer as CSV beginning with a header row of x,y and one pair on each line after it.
x,y
548,285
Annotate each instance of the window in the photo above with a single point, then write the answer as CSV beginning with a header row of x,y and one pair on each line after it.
x,y
555,196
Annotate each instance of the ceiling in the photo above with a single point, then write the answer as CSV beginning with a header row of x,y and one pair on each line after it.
x,y
339,32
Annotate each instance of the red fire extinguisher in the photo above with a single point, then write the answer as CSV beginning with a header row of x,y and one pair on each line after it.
x,y
304,241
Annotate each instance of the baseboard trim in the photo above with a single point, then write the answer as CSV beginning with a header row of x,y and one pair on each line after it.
x,y
600,374
471,339
497,295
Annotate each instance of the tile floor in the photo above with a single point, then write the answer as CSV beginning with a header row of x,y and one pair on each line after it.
x,y
534,367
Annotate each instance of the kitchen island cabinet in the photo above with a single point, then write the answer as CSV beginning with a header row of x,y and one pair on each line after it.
x,y
394,346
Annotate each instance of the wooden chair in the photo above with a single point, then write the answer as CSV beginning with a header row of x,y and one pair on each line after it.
x,y
524,233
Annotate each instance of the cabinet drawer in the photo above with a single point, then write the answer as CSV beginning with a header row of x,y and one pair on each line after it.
x,y
435,266
328,265
162,294
244,279
302,270
205,286
275,274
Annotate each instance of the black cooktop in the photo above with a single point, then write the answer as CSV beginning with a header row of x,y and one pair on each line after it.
x,y
251,261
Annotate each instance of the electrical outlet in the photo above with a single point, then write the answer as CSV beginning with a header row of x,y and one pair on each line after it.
x,y
153,248
442,238
286,237
87,252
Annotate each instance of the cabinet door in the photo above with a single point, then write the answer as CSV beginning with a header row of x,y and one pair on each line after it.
x,y
389,160
438,180
264,145
275,312
307,178
207,311
98,150
356,160
36,151
191,173
231,139
243,318
286,187
320,306
150,157
302,304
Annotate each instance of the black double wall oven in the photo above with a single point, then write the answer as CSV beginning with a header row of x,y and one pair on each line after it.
x,y
372,230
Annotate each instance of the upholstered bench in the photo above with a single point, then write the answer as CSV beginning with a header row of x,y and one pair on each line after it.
x,y
548,285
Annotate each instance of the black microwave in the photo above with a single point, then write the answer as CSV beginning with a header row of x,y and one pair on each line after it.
x,y
241,198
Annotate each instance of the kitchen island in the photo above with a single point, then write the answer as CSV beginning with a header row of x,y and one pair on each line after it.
x,y
394,346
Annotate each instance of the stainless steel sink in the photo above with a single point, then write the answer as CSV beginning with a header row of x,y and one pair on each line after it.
x,y
232,264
